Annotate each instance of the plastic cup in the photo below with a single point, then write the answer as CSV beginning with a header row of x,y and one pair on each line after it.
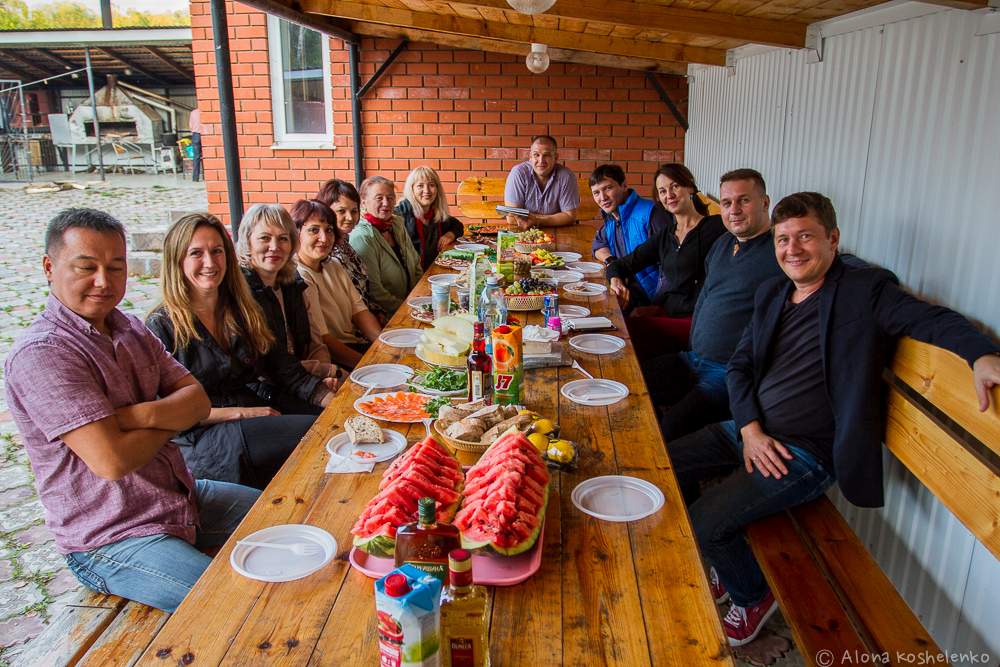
x,y
440,298
463,297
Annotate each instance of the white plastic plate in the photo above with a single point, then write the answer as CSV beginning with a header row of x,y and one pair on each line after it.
x,y
594,393
267,564
617,498
472,247
443,279
585,289
359,403
419,301
562,276
382,375
571,312
421,389
568,256
340,445
586,268
596,343
401,337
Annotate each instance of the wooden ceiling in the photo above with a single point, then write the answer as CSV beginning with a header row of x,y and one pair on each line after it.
x,y
659,36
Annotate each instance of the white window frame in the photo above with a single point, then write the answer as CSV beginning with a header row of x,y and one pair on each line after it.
x,y
283,139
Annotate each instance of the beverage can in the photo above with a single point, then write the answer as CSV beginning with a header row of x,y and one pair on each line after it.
x,y
550,307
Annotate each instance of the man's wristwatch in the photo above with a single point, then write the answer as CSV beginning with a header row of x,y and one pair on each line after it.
x,y
609,259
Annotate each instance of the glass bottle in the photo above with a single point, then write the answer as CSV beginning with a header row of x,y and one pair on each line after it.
x,y
426,543
464,629
492,309
479,368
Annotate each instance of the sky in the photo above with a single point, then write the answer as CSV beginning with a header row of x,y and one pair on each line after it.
x,y
142,5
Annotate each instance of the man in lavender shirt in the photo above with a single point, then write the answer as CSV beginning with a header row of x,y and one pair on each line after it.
x,y
97,399
547,189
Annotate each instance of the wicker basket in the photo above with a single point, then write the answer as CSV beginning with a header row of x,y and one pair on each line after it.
x,y
528,248
466,452
525,302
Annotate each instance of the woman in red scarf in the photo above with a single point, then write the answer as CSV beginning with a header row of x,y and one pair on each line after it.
x,y
424,210
380,239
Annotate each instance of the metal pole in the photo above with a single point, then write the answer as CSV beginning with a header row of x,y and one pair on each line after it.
x,y
227,113
106,14
93,106
359,151
24,128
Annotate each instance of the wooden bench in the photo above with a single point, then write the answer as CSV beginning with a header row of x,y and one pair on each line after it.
x,y
479,196
95,630
831,591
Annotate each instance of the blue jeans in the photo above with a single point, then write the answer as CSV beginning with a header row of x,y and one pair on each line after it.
x,y
159,570
719,514
693,389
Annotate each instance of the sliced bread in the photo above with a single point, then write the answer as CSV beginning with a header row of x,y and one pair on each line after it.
x,y
362,429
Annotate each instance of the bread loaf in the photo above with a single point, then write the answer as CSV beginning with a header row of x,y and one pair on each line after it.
x,y
362,429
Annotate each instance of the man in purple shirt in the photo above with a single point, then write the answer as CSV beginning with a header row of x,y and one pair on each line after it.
x,y
547,189
97,399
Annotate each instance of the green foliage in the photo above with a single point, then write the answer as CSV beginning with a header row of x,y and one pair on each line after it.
x,y
65,14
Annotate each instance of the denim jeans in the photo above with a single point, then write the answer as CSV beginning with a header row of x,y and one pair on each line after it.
x,y
693,389
159,570
719,514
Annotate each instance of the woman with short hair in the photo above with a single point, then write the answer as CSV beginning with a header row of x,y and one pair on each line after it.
x,y
424,210
210,323
381,240
349,327
345,202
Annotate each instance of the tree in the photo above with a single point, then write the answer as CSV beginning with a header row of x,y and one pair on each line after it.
x,y
66,14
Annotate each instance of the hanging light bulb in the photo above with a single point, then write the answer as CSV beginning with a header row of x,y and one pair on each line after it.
x,y
531,6
538,60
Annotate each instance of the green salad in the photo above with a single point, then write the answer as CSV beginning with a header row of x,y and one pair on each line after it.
x,y
435,404
441,379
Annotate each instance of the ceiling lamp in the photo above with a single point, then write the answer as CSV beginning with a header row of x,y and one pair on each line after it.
x,y
538,60
531,6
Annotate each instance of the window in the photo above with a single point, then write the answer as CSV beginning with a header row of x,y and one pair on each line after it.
x,y
300,85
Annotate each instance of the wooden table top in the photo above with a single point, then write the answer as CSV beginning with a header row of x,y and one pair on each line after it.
x,y
607,593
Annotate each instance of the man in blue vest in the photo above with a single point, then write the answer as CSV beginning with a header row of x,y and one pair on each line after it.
x,y
629,220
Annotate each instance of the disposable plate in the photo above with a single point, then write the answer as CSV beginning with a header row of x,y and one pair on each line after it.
x,y
401,337
268,564
416,384
594,393
382,375
487,569
362,401
617,498
569,312
596,343
568,256
472,247
562,276
443,279
586,268
585,289
340,445
419,301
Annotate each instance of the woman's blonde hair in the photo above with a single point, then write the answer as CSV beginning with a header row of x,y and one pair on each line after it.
x,y
440,203
277,216
241,315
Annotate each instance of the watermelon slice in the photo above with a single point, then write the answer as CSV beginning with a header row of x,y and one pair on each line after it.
x,y
426,469
507,492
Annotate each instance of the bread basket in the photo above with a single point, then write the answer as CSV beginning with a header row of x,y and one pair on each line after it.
x,y
467,453
523,302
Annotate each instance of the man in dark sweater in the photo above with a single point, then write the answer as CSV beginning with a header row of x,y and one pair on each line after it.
x,y
805,384
692,384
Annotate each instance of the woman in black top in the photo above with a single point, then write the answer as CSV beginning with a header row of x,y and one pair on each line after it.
x,y
424,210
680,251
212,325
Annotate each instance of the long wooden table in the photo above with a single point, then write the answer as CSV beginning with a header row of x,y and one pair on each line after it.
x,y
607,593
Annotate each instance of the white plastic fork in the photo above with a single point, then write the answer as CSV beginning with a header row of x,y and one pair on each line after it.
x,y
577,366
299,548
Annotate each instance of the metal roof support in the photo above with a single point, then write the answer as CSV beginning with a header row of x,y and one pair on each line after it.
x,y
354,53
227,113
10,53
382,68
106,14
662,92
93,105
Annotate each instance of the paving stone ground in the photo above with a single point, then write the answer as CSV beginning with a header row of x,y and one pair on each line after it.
x,y
34,581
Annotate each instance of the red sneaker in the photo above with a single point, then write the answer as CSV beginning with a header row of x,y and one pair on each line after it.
x,y
743,624
719,591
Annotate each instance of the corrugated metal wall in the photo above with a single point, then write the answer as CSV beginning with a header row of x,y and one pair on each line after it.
x,y
900,126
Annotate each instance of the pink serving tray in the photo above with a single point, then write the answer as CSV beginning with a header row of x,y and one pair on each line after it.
x,y
487,569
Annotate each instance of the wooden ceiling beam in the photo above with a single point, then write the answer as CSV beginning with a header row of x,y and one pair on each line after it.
x,y
514,48
28,62
169,62
560,39
647,16
129,64
62,62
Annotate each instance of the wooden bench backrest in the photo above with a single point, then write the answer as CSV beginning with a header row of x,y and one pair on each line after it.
x,y
962,471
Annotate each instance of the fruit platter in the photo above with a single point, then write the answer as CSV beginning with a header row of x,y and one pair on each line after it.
x,y
534,239
483,228
528,293
544,259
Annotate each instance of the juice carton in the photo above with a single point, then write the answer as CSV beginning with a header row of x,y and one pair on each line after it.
x,y
409,635
505,254
508,364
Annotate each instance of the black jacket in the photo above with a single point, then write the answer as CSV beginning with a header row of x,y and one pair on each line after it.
x,y
432,233
862,313
295,309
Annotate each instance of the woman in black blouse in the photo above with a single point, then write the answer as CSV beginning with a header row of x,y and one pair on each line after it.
x,y
680,251
212,325
424,210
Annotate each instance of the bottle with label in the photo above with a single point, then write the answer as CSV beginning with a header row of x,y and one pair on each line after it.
x,y
479,372
427,543
464,628
492,309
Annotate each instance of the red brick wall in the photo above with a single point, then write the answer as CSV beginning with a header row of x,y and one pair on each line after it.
x,y
464,113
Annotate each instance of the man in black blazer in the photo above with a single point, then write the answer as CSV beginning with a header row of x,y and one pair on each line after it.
x,y
805,391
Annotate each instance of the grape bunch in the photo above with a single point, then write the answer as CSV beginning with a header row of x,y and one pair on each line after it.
x,y
528,286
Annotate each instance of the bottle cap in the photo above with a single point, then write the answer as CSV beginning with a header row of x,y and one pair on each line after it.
x,y
477,328
460,567
396,585
426,510
492,279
